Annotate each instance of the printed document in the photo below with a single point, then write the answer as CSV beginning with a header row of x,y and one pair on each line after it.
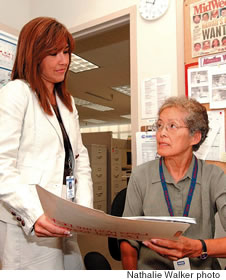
x,y
84,220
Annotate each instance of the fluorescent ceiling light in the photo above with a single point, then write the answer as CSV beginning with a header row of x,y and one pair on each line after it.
x,y
94,121
126,116
79,64
87,104
80,102
98,107
123,89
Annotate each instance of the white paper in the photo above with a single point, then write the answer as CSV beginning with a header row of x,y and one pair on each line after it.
x,y
8,44
217,79
188,220
218,147
213,147
146,146
85,220
198,84
205,148
154,92
212,60
5,76
208,85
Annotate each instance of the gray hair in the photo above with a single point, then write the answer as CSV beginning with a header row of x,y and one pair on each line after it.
x,y
197,119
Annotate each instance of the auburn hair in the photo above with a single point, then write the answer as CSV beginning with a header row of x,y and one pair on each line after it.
x,y
39,38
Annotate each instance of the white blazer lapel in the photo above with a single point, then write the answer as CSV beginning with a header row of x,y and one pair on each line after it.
x,y
55,123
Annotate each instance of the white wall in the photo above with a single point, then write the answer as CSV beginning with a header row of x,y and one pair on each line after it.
x,y
159,45
15,13
76,12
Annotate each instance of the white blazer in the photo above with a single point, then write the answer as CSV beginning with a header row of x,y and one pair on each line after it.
x,y
32,152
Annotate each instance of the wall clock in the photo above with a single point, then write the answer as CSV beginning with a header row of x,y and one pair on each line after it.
x,y
153,9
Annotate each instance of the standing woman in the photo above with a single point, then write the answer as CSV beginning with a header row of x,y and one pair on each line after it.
x,y
40,144
178,184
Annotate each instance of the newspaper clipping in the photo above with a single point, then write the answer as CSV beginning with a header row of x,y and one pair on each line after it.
x,y
208,27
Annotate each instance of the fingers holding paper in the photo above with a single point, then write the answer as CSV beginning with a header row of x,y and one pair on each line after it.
x,y
175,249
44,227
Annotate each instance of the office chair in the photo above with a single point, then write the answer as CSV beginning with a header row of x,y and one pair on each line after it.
x,y
117,209
96,261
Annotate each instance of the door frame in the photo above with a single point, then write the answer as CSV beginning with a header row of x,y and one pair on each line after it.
x,y
128,15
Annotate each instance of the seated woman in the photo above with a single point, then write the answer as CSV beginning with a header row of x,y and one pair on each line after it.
x,y
161,187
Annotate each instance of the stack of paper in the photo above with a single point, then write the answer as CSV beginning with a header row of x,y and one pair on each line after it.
x,y
85,220
164,218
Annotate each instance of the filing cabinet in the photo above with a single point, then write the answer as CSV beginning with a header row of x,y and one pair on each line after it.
x,y
114,165
98,163
116,172
97,153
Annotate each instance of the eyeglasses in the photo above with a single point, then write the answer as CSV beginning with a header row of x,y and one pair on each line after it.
x,y
171,126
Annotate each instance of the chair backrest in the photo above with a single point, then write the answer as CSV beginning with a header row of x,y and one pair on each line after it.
x,y
117,209
118,203
96,261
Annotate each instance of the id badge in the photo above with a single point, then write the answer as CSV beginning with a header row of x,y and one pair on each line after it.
x,y
182,264
70,183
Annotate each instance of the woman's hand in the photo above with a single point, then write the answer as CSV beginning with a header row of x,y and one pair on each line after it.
x,y
44,227
175,249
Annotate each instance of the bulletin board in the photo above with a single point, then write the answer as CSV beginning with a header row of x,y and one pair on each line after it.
x,y
8,43
189,59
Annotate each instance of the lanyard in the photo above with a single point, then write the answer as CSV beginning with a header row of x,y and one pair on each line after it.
x,y
190,193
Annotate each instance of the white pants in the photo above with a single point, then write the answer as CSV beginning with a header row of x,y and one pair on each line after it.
x,y
18,251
